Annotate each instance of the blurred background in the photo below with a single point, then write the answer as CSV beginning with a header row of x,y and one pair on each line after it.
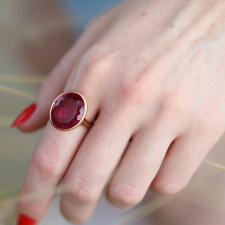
x,y
34,35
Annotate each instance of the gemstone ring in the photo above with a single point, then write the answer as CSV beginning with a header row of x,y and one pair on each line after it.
x,y
68,111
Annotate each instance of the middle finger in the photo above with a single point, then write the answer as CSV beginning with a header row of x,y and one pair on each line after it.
x,y
93,164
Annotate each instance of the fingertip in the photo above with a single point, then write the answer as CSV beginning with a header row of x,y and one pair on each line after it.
x,y
26,128
24,115
30,119
25,220
31,126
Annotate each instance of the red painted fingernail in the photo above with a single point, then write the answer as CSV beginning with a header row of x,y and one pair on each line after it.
x,y
24,115
25,220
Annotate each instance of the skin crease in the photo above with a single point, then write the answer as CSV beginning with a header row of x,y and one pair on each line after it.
x,y
152,72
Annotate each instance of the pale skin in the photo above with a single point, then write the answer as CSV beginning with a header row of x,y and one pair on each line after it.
x,y
152,72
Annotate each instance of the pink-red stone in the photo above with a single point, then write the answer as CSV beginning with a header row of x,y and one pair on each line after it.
x,y
67,111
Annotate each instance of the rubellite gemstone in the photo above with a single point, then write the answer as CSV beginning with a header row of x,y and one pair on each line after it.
x,y
67,110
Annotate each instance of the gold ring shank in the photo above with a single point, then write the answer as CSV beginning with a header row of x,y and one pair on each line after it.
x,y
86,123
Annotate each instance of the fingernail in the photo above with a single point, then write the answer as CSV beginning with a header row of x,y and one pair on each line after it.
x,y
24,115
25,220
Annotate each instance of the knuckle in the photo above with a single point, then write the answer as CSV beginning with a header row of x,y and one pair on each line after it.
x,y
209,124
95,61
46,165
80,190
136,91
169,105
82,194
165,187
89,62
175,103
132,93
124,195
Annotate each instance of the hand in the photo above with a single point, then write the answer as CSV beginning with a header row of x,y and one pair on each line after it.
x,y
153,73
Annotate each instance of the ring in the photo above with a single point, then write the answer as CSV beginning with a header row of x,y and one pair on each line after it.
x,y
68,111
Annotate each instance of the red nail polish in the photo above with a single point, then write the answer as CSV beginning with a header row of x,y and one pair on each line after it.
x,y
24,115
25,220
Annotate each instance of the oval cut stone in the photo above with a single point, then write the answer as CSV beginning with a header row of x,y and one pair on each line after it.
x,y
67,110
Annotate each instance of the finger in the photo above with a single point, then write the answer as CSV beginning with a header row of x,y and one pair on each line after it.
x,y
182,160
93,164
49,163
52,157
56,81
139,166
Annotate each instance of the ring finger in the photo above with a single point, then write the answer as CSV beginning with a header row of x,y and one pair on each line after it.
x,y
139,166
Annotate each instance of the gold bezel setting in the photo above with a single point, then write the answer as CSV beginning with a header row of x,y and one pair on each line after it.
x,y
83,117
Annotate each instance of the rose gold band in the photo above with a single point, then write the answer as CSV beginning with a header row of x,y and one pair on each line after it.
x,y
86,123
